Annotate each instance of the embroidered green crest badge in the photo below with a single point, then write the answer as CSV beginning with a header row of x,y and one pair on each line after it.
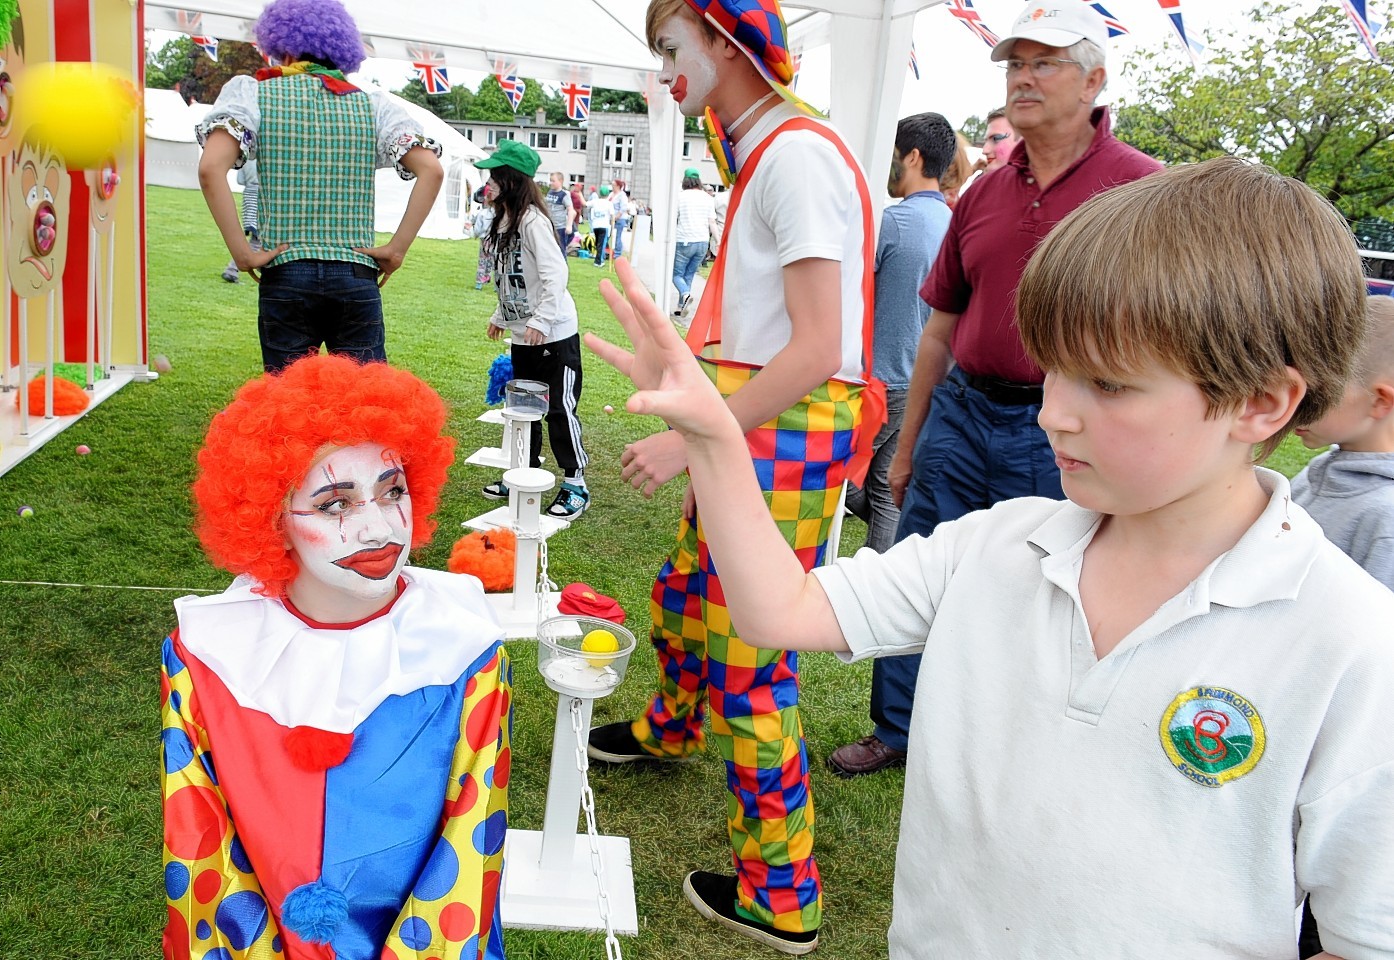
x,y
1212,735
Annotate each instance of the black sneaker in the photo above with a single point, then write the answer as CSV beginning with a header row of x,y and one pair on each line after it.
x,y
615,743
498,490
570,503
714,896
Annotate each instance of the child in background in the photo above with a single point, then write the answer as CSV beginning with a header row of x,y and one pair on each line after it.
x,y
482,222
536,309
1154,716
1349,490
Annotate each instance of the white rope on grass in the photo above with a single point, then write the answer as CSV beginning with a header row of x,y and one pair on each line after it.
x,y
103,586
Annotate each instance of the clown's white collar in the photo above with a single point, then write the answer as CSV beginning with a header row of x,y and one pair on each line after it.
x,y
272,661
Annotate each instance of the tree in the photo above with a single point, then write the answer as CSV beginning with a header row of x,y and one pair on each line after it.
x,y
183,65
618,101
490,104
974,129
448,106
1296,92
171,64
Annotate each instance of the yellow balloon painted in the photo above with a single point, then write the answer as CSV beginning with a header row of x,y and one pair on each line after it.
x,y
84,112
599,641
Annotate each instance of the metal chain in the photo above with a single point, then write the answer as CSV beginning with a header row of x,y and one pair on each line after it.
x,y
612,943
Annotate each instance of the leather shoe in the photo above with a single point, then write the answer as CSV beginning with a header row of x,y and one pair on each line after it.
x,y
867,755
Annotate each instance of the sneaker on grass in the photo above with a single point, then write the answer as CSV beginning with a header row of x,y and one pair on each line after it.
x,y
570,503
498,490
714,896
615,743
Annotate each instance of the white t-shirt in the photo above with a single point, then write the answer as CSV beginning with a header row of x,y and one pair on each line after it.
x,y
1050,809
801,201
601,209
695,213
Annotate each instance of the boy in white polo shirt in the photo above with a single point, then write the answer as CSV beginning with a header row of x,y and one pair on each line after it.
x,y
1153,717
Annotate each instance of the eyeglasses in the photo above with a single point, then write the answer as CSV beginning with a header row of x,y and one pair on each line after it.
x,y
1041,67
998,137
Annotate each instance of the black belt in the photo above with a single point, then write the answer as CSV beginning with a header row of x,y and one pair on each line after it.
x,y
1005,392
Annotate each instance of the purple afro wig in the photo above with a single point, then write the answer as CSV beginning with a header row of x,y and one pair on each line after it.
x,y
321,29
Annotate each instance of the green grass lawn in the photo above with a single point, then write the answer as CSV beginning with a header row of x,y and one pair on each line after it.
x,y
80,832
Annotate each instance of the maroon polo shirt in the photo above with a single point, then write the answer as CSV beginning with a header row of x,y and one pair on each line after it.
x,y
995,226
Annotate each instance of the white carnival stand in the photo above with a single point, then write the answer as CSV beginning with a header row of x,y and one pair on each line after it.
x,y
556,878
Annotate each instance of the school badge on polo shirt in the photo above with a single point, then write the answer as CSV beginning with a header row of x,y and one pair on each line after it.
x,y
1212,735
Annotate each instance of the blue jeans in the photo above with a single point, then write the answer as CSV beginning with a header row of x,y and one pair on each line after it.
x,y
970,454
620,227
304,304
872,501
686,260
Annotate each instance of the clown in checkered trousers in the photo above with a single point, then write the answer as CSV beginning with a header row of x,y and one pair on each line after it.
x,y
783,330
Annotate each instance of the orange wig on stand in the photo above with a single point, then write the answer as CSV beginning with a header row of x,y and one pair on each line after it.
x,y
260,447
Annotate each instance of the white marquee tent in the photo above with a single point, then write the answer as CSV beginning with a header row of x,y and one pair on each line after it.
x,y
869,40
171,160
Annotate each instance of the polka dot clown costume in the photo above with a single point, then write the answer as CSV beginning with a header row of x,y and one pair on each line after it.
x,y
333,787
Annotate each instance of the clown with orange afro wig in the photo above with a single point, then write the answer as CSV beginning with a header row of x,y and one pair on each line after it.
x,y
358,707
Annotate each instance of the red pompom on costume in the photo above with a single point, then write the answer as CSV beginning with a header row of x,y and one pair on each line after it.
x,y
68,398
313,749
488,555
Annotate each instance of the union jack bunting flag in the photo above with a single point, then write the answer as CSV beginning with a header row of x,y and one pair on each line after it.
x,y
1115,26
1355,9
914,60
190,23
970,18
1172,8
578,100
795,60
513,89
430,67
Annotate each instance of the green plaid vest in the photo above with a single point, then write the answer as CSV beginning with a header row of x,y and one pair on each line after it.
x,y
316,154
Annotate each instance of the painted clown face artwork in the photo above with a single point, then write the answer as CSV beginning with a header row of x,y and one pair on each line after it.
x,y
348,525
689,64
11,66
38,211
101,186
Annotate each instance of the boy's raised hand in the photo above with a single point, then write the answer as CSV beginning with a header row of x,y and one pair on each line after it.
x,y
670,383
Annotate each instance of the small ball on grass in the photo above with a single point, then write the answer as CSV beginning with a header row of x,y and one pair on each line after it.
x,y
609,408
161,363
83,450
25,511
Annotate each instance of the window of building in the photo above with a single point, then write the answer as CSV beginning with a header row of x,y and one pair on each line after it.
x,y
541,140
469,134
578,142
619,150
495,136
686,149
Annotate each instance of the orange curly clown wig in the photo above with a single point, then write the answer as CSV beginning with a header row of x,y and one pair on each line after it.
x,y
261,446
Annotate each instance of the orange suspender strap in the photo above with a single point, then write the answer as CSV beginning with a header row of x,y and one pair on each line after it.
x,y
706,325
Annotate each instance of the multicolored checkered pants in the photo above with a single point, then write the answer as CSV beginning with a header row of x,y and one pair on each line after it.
x,y
800,459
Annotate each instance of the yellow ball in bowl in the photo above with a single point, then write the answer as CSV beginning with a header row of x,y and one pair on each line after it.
x,y
600,642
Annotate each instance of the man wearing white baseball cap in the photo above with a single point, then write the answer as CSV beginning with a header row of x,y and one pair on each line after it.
x,y
977,442
1060,24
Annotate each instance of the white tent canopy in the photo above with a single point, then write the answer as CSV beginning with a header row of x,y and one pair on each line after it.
x,y
601,42
447,218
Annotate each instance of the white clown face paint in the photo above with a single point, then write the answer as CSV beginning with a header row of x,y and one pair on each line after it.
x,y
689,64
348,524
